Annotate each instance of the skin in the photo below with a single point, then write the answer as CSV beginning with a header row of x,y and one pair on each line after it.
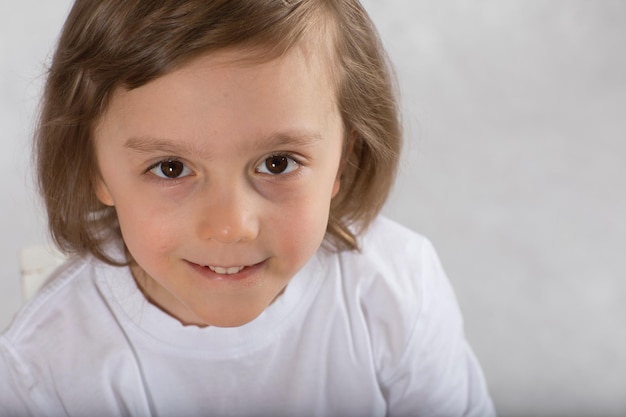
x,y
225,164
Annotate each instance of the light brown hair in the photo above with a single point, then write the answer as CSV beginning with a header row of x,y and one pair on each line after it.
x,y
108,44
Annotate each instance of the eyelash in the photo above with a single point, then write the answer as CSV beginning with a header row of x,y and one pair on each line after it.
x,y
186,171
292,160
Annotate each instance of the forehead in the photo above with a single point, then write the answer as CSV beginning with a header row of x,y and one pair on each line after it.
x,y
228,93
305,62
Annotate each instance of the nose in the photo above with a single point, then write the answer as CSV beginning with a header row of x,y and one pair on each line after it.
x,y
228,214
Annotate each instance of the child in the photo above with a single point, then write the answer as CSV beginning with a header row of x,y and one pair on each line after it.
x,y
217,169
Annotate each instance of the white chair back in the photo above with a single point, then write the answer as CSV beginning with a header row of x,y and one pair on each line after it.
x,y
37,263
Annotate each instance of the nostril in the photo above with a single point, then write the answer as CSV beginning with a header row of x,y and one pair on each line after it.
x,y
228,218
231,232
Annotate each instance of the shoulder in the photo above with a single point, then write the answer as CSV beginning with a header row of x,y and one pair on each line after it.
x,y
387,236
394,264
395,250
414,325
70,289
72,308
395,282
53,294
64,326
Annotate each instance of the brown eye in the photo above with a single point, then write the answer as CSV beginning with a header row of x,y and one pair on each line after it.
x,y
170,169
277,164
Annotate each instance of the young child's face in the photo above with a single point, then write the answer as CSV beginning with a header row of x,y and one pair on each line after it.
x,y
222,175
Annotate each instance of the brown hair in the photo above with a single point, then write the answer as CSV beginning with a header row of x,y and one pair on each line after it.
x,y
106,44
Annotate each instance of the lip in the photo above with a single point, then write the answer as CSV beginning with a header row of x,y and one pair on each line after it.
x,y
246,273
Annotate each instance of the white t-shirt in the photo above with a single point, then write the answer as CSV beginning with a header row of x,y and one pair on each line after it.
x,y
370,333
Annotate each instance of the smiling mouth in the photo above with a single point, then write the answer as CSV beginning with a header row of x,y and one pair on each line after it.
x,y
249,273
225,271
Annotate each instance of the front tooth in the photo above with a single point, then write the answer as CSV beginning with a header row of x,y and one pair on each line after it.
x,y
226,271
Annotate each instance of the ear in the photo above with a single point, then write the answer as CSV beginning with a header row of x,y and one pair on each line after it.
x,y
103,193
349,147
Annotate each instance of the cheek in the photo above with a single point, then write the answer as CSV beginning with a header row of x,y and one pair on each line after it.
x,y
147,231
300,226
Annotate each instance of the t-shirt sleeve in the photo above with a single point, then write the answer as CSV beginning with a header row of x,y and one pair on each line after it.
x,y
436,372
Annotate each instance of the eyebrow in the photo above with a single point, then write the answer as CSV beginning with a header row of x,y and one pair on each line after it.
x,y
148,145
300,138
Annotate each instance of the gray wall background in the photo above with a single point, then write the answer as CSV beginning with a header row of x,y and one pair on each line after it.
x,y
515,115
